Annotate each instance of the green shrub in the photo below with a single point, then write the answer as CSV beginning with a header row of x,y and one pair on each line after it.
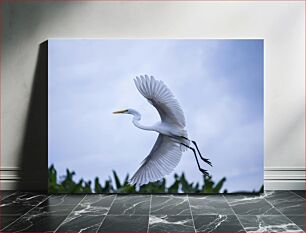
x,y
66,184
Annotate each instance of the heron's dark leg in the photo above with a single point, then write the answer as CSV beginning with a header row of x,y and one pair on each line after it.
x,y
204,159
195,155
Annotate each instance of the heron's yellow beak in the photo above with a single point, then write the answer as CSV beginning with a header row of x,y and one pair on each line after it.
x,y
121,111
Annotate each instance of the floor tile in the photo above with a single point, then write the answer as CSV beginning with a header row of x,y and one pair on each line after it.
x,y
266,223
127,223
53,210
166,223
299,220
286,202
57,205
217,223
301,193
5,194
170,205
57,200
6,220
19,204
35,223
279,211
130,204
209,205
95,204
250,205
81,223
88,214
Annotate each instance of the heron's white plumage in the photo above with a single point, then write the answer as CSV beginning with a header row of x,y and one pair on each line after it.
x,y
159,95
163,158
172,139
167,150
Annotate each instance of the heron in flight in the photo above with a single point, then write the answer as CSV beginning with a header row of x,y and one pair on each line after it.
x,y
172,139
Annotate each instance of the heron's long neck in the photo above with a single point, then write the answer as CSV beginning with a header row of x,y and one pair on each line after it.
x,y
137,118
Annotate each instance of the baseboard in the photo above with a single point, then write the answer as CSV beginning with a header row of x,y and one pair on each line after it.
x,y
284,184
10,179
275,178
284,178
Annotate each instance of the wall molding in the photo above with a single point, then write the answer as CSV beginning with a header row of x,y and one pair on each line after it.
x,y
282,178
10,173
9,169
285,169
10,179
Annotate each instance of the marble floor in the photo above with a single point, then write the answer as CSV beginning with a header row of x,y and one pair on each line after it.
x,y
273,211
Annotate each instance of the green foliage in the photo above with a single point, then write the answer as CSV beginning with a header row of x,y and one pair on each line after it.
x,y
154,187
174,188
210,187
52,180
66,184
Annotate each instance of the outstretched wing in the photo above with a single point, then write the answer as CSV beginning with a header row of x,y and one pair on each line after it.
x,y
163,158
159,95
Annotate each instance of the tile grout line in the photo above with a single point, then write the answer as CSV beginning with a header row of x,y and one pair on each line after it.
x,y
234,213
69,213
283,214
8,196
107,213
149,213
297,195
25,213
191,214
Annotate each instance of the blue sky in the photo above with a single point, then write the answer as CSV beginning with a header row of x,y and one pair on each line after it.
x,y
218,83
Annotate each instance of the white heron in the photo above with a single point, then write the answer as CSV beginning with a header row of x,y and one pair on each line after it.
x,y
172,139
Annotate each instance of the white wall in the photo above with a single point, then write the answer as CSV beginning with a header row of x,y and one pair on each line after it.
x,y
26,25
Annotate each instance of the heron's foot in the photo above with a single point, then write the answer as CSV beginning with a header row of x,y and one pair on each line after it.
x,y
205,173
207,161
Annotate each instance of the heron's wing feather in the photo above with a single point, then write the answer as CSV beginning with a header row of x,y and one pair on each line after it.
x,y
163,158
160,96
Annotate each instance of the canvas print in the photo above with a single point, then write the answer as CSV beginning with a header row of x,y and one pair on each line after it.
x,y
155,115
